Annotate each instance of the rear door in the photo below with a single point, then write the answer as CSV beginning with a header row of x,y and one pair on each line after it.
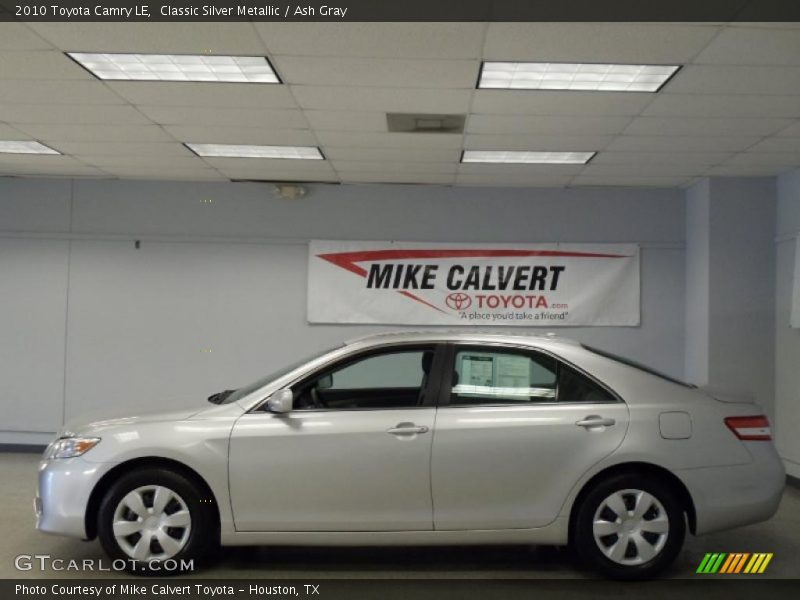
x,y
515,431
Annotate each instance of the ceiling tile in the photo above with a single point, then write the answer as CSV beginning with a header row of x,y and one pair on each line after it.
x,y
675,143
596,42
16,36
652,170
40,64
635,159
382,99
377,72
753,46
76,114
628,180
278,175
389,140
165,174
777,144
552,143
39,160
7,132
791,131
201,134
52,134
346,120
507,180
155,162
721,105
540,102
405,177
374,40
221,95
705,126
755,159
704,79
71,172
550,125
747,170
154,37
373,166
24,91
391,154
225,117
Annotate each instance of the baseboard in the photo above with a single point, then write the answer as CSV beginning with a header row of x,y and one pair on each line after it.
x,y
23,448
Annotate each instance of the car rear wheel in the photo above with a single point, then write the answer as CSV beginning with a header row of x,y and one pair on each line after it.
x,y
156,521
629,527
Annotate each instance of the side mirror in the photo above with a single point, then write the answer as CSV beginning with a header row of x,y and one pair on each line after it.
x,y
281,401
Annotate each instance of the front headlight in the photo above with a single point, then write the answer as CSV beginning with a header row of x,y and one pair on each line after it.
x,y
71,447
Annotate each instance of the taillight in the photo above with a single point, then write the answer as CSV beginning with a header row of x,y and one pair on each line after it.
x,y
750,428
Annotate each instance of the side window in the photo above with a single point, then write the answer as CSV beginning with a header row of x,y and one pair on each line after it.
x,y
393,379
575,387
502,377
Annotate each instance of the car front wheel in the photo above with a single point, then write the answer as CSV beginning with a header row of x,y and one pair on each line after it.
x,y
157,521
629,527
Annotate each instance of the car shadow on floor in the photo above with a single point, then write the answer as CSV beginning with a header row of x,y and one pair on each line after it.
x,y
424,562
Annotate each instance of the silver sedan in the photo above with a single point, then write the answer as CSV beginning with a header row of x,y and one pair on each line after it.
x,y
423,438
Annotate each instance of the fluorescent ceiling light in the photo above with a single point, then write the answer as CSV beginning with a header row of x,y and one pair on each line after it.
x,y
25,147
177,67
239,151
574,76
533,158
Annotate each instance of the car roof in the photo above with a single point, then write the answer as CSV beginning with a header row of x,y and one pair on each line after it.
x,y
444,335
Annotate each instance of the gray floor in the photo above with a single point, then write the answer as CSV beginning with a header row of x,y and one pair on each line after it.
x,y
781,536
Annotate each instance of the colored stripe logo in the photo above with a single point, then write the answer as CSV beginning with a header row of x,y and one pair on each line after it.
x,y
734,562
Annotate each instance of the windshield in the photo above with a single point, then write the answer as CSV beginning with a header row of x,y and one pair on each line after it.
x,y
637,365
252,387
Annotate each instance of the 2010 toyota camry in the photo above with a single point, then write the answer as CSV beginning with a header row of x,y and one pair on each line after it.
x,y
424,438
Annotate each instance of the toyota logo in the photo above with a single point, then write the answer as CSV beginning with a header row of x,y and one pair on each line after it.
x,y
458,301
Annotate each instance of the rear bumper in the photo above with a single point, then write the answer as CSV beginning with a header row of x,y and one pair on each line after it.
x,y
734,496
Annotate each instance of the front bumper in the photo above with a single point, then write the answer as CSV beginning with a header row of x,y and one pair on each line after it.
x,y
65,485
734,496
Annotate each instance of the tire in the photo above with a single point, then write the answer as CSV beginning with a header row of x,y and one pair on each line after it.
x,y
638,544
164,506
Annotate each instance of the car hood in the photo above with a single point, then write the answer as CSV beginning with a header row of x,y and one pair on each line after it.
x,y
97,422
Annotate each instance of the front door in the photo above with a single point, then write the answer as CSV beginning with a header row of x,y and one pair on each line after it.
x,y
516,431
353,454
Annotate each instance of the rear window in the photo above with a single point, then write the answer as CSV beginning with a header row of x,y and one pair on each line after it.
x,y
637,365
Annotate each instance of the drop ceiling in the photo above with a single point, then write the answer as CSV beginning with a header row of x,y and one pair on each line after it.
x,y
732,110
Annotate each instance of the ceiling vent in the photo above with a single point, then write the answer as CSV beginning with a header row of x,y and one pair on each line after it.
x,y
425,123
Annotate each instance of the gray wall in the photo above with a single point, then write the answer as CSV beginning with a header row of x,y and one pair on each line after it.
x,y
216,294
787,340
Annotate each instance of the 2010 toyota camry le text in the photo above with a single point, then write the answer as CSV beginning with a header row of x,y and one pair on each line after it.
x,y
424,438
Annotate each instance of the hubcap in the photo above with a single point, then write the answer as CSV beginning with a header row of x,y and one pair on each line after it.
x,y
152,523
630,527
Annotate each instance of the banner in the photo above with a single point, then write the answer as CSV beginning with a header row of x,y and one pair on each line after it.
x,y
524,285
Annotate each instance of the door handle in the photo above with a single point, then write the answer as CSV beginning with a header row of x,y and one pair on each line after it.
x,y
407,429
595,421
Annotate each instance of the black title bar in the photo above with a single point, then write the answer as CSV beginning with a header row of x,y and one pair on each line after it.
x,y
400,10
